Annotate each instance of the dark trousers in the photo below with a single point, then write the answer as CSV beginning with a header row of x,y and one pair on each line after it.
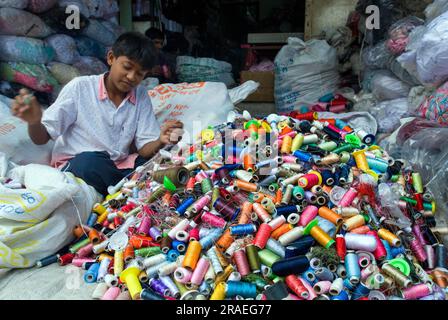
x,y
98,170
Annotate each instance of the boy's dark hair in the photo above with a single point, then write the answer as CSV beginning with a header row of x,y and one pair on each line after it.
x,y
154,33
136,47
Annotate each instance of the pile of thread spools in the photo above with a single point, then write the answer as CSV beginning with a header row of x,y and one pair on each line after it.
x,y
278,208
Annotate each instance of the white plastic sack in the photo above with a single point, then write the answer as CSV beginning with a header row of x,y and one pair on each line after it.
x,y
435,9
385,86
23,49
99,32
389,113
65,48
192,70
197,105
304,72
239,94
38,221
16,144
362,120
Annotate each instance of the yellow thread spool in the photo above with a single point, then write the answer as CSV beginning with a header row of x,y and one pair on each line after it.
x,y
102,213
130,278
353,222
118,263
286,145
297,142
225,275
389,237
192,255
220,292
361,160
321,237
103,256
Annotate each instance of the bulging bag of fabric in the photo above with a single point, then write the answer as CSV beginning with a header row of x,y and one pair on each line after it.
x,y
304,72
23,49
17,22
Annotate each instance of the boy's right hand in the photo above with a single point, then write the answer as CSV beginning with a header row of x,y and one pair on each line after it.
x,y
27,108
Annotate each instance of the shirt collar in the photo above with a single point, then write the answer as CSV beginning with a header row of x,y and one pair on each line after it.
x,y
102,92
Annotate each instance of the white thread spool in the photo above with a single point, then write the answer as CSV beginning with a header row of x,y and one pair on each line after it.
x,y
210,275
291,236
293,218
114,189
277,222
154,260
182,275
168,269
336,286
102,271
234,276
101,247
363,242
182,236
153,270
111,280
99,291
181,226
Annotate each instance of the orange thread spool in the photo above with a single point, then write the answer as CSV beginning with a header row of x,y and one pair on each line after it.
x,y
277,233
246,212
192,255
129,253
361,230
139,242
79,231
248,163
330,215
225,241
94,236
258,197
166,199
327,189
246,186
278,197
389,237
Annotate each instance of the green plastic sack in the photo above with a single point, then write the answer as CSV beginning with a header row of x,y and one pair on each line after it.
x,y
23,49
34,76
62,72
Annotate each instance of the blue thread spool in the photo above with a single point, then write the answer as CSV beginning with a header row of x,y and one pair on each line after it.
x,y
351,162
396,251
303,156
299,247
147,294
184,206
352,267
47,261
327,98
243,229
324,274
286,210
388,250
327,177
343,174
341,124
276,247
289,266
310,276
135,192
172,255
92,274
92,219
378,165
343,295
239,288
179,246
360,291
205,288
348,284
327,226
210,239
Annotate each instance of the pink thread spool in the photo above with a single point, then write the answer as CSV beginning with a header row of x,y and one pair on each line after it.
x,y
308,215
361,230
201,176
182,275
289,159
418,234
310,289
322,287
85,251
111,294
201,203
380,252
145,224
418,250
262,236
194,234
78,262
241,262
200,271
213,220
416,292
348,198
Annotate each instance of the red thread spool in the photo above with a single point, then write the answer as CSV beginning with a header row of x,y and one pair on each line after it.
x,y
174,202
189,188
310,180
225,194
262,236
139,242
66,259
341,248
118,221
194,234
419,198
110,268
310,116
261,213
242,264
380,253
297,286
213,220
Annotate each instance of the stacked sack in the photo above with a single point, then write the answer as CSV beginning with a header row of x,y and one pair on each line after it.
x,y
39,52
298,207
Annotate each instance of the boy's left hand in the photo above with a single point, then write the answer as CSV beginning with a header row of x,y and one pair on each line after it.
x,y
171,132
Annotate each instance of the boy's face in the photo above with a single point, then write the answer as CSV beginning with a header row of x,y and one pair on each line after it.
x,y
158,43
125,74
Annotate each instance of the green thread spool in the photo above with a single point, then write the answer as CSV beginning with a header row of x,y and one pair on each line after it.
x,y
181,287
206,186
298,193
345,157
78,246
177,175
274,187
428,206
328,146
277,279
257,280
417,182
267,257
253,258
148,252
157,194
344,147
395,178
215,195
